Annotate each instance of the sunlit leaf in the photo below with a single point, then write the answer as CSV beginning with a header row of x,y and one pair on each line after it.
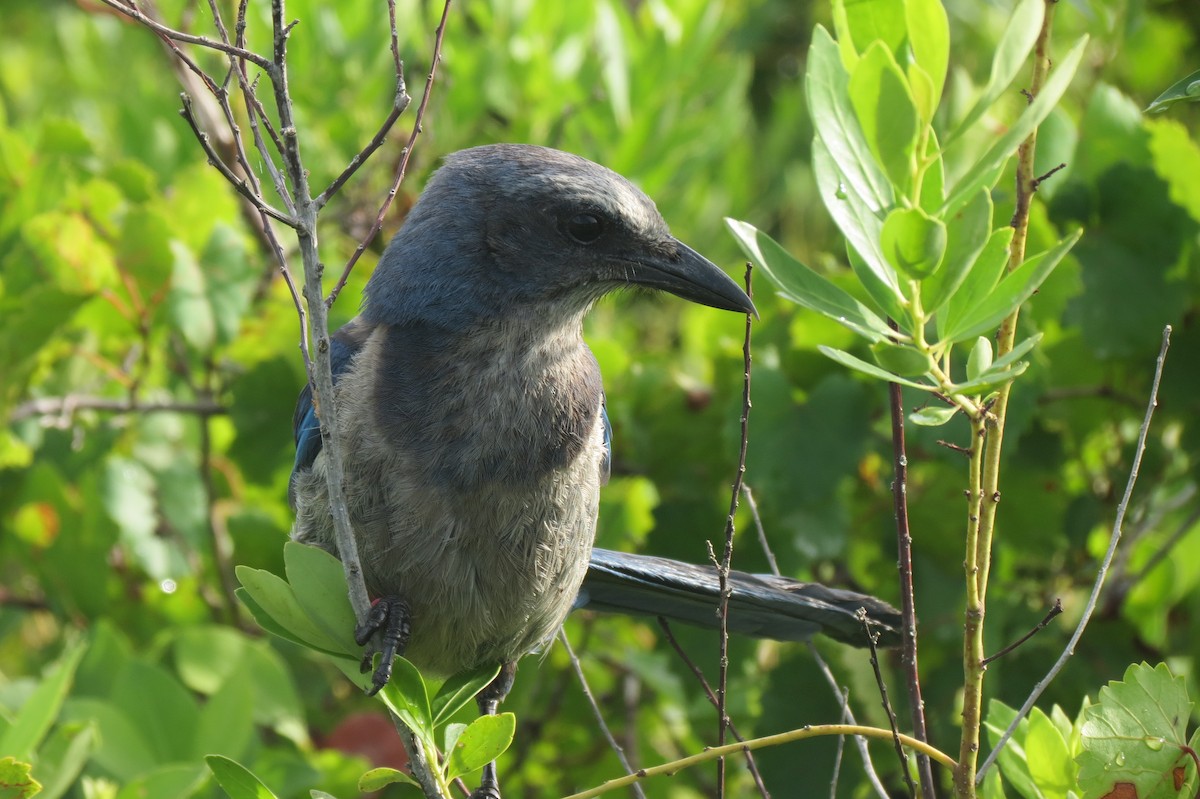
x,y
929,37
480,743
827,89
1136,735
1011,55
1012,291
379,778
862,230
884,106
913,242
236,779
982,173
858,364
460,689
1184,90
801,285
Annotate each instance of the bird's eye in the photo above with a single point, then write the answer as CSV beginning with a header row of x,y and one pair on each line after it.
x,y
585,228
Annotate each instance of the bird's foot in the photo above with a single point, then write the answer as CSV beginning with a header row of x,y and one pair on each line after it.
x,y
486,792
391,618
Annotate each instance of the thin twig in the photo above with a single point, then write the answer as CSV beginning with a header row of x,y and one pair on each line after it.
x,y
762,533
1041,625
872,638
403,168
843,694
66,407
587,693
1113,540
908,609
239,183
712,698
131,10
727,554
848,714
400,101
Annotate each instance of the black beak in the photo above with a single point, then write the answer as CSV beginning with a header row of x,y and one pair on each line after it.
x,y
688,274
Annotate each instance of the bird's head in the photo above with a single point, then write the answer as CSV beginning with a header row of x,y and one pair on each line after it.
x,y
507,225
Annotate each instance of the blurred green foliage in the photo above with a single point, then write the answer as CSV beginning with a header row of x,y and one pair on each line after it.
x,y
132,284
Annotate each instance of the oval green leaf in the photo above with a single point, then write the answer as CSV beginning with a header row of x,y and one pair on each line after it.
x,y
913,242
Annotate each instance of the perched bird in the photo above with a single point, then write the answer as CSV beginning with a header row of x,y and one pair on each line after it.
x,y
472,411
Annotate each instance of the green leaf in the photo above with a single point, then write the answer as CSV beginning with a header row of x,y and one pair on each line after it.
x,y
62,757
124,749
236,779
979,281
982,174
40,710
967,233
226,721
379,778
802,285
929,37
1136,733
274,596
480,743
1177,161
1011,53
876,20
979,360
191,313
846,359
913,242
460,689
451,735
1185,90
1013,290
988,380
862,229
933,415
172,781
408,697
901,359
265,620
16,779
319,584
158,705
1012,758
1050,764
827,89
884,105
205,656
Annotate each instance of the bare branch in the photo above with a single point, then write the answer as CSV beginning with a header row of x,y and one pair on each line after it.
x,y
130,9
587,693
712,699
727,554
67,406
241,184
1114,539
400,103
402,169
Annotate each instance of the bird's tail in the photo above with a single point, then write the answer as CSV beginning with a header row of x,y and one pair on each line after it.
x,y
761,605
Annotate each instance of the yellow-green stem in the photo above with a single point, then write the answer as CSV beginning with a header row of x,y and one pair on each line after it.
x,y
814,731
988,440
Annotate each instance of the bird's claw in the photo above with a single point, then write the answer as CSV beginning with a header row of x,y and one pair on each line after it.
x,y
391,618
